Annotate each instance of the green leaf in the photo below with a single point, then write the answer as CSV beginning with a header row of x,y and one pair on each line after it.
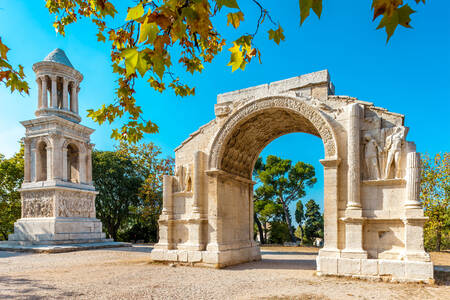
x,y
135,12
400,16
235,19
148,33
276,35
227,3
306,6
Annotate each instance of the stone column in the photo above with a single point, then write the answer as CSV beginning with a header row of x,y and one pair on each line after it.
x,y
56,169
353,143
166,217
353,215
82,167
89,165
33,175
75,98
27,160
64,164
72,97
54,95
44,89
197,184
413,181
251,215
39,84
330,211
50,150
65,94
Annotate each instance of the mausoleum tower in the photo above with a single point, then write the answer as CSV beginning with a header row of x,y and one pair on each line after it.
x,y
58,198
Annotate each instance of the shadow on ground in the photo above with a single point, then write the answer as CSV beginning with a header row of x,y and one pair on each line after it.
x,y
23,288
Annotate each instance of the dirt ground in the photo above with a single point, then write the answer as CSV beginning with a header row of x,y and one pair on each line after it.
x,y
127,273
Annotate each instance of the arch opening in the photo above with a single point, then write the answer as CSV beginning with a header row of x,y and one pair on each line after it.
x,y
73,164
244,144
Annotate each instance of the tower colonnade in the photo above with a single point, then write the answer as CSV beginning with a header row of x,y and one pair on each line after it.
x,y
60,91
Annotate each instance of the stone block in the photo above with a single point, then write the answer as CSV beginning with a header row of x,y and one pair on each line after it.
x,y
394,268
194,256
327,265
172,255
369,267
347,266
210,257
182,256
158,255
415,270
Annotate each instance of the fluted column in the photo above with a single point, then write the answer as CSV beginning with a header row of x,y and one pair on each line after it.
x,y
54,95
354,174
412,180
65,94
44,89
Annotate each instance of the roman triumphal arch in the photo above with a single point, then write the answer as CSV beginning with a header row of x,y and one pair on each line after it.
x,y
372,214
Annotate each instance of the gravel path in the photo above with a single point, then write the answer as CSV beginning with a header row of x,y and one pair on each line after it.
x,y
126,273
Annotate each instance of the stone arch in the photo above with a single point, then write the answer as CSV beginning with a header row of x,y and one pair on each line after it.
x,y
41,160
238,143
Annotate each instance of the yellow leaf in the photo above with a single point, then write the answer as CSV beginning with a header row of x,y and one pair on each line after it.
x,y
276,35
135,12
236,59
235,19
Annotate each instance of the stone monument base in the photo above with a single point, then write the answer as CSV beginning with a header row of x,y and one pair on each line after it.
x,y
216,259
392,270
59,230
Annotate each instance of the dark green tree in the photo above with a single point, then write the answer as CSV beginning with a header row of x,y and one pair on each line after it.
x,y
284,183
143,224
118,183
313,221
299,217
11,178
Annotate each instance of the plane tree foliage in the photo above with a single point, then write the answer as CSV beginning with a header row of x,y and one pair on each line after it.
x,y
156,35
435,197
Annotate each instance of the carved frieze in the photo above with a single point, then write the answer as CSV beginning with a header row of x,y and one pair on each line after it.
x,y
75,204
37,204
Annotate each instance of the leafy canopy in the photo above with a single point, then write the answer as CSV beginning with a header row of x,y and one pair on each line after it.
x,y
155,35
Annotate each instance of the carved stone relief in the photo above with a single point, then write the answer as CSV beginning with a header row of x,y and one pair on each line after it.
x,y
37,204
75,204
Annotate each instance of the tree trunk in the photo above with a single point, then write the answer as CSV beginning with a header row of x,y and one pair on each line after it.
x,y
261,233
301,233
287,218
438,239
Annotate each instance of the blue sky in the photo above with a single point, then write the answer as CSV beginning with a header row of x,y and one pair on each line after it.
x,y
410,75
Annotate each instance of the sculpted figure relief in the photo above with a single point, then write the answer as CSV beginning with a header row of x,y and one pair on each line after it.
x,y
180,178
37,204
371,152
393,147
72,204
188,179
